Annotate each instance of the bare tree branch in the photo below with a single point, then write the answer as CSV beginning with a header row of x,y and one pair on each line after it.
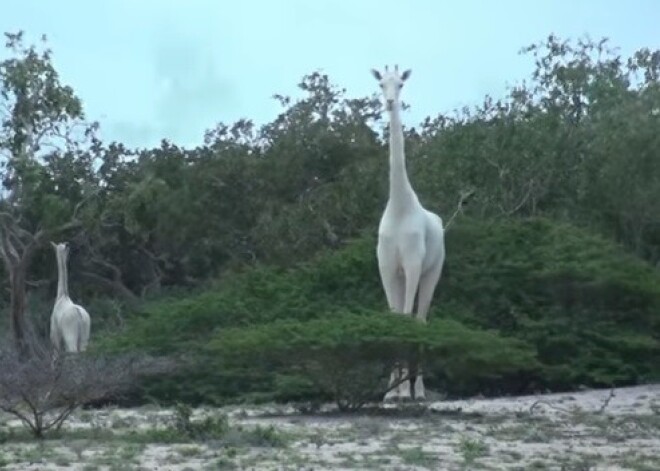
x,y
521,203
114,285
113,282
8,251
463,198
43,390
38,283
606,402
501,170
14,222
549,404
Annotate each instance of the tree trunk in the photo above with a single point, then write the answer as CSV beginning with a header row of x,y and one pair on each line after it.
x,y
18,320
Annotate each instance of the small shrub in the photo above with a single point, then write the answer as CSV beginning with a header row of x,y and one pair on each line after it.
x,y
265,437
43,389
259,436
182,415
472,449
215,427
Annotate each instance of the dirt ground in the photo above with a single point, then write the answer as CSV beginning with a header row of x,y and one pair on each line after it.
x,y
589,430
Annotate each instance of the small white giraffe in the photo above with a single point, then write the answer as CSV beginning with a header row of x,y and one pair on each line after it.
x,y
411,247
69,322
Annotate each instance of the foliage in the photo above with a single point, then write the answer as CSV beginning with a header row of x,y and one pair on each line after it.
x,y
557,145
590,309
260,226
217,428
585,308
318,287
349,357
209,428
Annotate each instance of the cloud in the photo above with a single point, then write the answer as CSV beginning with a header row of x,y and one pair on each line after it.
x,y
187,92
192,93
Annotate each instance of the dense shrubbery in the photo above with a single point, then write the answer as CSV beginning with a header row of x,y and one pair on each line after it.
x,y
554,252
317,288
585,310
591,310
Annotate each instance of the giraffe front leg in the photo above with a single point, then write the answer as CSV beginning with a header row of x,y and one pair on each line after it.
x,y
405,393
392,395
412,267
400,392
394,287
427,285
420,392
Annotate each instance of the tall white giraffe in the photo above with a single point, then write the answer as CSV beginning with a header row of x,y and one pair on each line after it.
x,y
411,246
69,322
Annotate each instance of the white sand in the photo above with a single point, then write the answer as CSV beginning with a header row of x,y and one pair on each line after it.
x,y
594,430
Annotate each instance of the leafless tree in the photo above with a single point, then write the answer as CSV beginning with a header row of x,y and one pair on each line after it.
x,y
43,389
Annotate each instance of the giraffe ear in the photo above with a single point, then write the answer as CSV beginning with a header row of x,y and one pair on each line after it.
x,y
376,74
406,74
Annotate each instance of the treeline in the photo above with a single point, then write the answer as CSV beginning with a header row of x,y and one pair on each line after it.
x,y
576,144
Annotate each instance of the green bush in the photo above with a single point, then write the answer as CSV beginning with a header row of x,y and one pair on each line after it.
x,y
591,310
349,357
588,310
333,281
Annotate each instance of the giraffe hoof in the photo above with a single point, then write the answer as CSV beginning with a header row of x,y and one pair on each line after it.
x,y
391,397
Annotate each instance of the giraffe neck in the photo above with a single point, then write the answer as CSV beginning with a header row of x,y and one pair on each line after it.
x,y
62,276
401,192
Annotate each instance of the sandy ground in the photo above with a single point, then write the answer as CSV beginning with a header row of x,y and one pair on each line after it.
x,y
587,430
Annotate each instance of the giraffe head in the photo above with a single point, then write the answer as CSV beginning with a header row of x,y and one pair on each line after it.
x,y
391,83
61,249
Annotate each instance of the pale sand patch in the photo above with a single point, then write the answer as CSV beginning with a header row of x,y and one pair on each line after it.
x,y
631,400
560,431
